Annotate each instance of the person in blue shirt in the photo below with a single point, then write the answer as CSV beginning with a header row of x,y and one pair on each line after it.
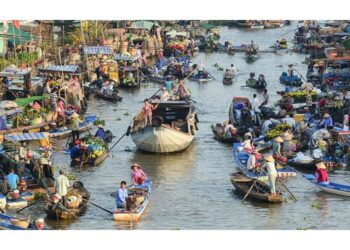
x,y
12,180
100,133
327,121
75,150
168,84
121,195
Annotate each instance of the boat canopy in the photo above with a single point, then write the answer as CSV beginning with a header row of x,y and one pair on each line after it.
x,y
128,68
120,57
14,72
26,137
94,50
61,68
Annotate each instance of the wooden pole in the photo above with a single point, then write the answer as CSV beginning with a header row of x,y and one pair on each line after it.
x,y
287,189
250,189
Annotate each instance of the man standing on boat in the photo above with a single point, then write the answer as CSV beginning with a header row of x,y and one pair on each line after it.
x,y
121,195
272,173
61,186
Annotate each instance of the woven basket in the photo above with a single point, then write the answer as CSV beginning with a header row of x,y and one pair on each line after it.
x,y
20,223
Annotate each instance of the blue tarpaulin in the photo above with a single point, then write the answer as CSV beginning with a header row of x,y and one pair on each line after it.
x,y
26,136
94,50
60,68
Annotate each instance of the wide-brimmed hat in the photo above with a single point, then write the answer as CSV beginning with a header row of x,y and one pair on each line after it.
x,y
135,165
278,139
248,134
74,115
321,165
269,158
99,125
288,137
326,115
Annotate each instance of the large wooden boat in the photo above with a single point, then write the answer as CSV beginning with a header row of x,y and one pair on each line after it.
x,y
143,192
260,191
173,127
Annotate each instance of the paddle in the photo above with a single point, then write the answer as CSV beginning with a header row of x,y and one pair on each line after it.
x,y
2,211
18,211
63,207
301,75
287,189
250,189
126,134
98,206
209,74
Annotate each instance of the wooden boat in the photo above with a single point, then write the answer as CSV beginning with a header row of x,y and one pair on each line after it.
x,y
260,191
227,80
241,159
16,203
90,161
174,125
251,57
65,132
332,188
200,79
141,190
113,98
8,222
310,165
58,212
255,84
160,80
219,134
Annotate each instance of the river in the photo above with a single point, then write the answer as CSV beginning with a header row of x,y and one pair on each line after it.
x,y
191,189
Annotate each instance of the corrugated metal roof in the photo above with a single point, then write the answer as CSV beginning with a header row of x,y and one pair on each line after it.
x,y
94,50
26,136
60,68
119,57
142,25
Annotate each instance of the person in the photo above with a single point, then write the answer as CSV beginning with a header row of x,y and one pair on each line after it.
x,y
53,99
307,86
321,174
229,130
147,111
272,172
165,95
289,146
277,45
74,126
233,70
309,99
261,81
182,91
12,180
138,176
36,105
276,147
75,151
100,133
121,195
255,109
327,121
266,96
290,121
271,122
60,109
290,69
252,162
61,186
168,84
247,144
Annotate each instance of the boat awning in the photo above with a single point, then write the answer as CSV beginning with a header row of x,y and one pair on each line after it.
x,y
26,137
143,25
128,68
9,72
94,50
120,57
61,68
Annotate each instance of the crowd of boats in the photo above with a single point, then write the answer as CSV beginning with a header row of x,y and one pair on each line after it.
x,y
307,130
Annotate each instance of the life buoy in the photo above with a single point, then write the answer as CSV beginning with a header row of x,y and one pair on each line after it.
x,y
157,121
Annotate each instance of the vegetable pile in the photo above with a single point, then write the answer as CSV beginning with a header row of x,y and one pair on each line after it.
x,y
276,131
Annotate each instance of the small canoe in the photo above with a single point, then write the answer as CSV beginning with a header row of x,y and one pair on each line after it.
x,y
141,190
58,212
8,222
227,80
200,79
241,159
309,166
332,188
218,132
259,192
113,98
90,162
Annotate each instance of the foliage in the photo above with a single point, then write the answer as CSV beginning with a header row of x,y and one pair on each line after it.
x,y
71,176
300,96
316,204
276,131
99,122
346,44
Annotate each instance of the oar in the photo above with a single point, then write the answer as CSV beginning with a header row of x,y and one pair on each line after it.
x,y
18,211
127,133
104,209
250,189
210,74
63,207
301,75
287,189
2,211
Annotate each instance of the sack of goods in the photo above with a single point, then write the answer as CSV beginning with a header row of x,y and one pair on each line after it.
x,y
73,201
14,195
55,198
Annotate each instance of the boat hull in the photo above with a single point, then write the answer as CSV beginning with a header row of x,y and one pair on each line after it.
x,y
161,139
331,188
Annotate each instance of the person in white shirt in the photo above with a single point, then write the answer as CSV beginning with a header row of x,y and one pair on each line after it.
x,y
255,109
272,172
290,121
165,95
61,186
290,69
233,70
251,163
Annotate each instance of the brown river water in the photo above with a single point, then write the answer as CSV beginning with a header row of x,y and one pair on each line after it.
x,y
191,189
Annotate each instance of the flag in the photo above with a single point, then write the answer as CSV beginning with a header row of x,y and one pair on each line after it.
x,y
16,24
